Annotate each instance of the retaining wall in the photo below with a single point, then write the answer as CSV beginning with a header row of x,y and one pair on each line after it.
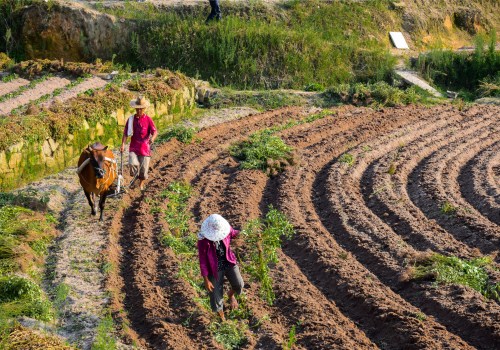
x,y
28,161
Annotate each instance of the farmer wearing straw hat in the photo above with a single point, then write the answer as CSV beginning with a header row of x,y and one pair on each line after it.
x,y
143,133
218,260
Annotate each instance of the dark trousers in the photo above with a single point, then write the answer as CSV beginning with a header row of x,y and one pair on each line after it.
x,y
215,13
233,275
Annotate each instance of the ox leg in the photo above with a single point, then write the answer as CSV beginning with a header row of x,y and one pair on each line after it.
x,y
102,200
91,200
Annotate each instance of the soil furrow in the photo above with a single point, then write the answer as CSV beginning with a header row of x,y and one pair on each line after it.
x,y
376,246
11,86
88,84
146,300
392,204
384,316
478,182
45,87
242,191
426,188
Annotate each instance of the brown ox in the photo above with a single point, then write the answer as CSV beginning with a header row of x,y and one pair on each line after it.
x,y
97,172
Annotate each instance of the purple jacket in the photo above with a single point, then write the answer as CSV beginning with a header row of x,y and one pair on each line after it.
x,y
208,255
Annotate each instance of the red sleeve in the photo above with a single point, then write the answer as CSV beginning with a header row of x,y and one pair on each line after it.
x,y
152,127
202,256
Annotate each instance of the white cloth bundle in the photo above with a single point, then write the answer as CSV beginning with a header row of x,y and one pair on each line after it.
x,y
130,126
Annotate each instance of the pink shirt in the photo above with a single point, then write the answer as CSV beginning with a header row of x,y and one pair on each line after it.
x,y
144,127
208,255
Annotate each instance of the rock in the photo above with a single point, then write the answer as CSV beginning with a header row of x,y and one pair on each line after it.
x,y
72,32
99,129
4,166
16,147
53,145
15,159
46,150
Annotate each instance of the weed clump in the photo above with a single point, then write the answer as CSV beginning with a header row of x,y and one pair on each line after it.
x,y
453,270
180,132
230,334
264,151
263,239
448,209
37,67
347,158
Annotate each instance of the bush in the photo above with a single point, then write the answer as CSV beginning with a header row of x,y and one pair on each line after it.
x,y
448,69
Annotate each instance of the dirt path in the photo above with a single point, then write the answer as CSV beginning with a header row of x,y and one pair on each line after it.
x,y
356,226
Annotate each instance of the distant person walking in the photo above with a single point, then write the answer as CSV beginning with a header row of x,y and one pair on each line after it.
x,y
215,13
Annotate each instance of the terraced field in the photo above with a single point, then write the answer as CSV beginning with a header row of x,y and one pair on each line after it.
x,y
18,93
358,225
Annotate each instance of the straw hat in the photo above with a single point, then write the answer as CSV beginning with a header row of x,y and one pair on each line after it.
x,y
139,102
214,228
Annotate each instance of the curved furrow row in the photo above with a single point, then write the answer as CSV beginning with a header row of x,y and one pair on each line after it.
x,y
236,195
432,187
387,319
158,301
384,190
376,245
479,184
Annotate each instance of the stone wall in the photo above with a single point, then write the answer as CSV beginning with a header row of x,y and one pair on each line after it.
x,y
27,161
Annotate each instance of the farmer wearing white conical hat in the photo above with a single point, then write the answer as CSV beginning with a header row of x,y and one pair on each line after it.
x,y
143,133
217,261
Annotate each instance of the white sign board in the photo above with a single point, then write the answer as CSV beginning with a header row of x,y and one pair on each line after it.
x,y
398,40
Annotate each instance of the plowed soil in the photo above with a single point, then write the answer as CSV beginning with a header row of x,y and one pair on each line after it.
x,y
342,277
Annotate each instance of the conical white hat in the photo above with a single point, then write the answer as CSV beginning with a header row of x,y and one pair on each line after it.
x,y
214,228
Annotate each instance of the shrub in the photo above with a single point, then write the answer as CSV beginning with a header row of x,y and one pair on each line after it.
x,y
263,151
448,69
263,239
22,297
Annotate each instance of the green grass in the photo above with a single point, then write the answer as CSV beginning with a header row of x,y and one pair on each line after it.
x,y
448,209
22,89
253,46
105,339
263,239
261,151
180,132
453,270
347,158
292,339
230,334
22,297
447,69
